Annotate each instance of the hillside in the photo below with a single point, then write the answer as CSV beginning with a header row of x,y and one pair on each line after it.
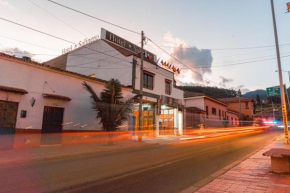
x,y
253,94
214,92
262,93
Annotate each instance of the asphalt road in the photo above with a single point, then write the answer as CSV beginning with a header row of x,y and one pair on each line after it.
x,y
166,168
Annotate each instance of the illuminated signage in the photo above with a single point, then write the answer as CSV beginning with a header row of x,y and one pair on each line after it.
x,y
109,36
80,44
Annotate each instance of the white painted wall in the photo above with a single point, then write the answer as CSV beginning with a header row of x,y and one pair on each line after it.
x,y
159,80
195,102
26,76
101,59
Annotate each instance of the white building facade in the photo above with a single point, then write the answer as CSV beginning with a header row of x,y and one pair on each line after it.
x,y
114,57
41,99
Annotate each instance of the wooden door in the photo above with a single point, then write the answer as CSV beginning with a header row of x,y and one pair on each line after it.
x,y
52,120
8,114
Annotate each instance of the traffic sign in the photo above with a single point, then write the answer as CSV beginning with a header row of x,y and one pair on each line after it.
x,y
275,90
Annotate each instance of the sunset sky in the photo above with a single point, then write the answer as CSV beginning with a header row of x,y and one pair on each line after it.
x,y
220,32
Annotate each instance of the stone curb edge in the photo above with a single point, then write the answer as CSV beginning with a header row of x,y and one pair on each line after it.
x,y
49,158
220,172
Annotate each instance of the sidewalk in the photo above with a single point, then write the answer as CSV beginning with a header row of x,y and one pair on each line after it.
x,y
251,175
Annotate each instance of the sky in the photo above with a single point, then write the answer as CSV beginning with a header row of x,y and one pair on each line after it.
x,y
214,38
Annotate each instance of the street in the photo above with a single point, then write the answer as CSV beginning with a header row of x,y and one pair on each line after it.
x,y
166,168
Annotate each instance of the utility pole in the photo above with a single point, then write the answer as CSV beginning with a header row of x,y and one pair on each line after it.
x,y
287,92
283,102
141,89
240,118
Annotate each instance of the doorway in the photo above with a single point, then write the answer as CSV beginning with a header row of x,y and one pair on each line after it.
x,y
8,115
52,125
166,120
52,120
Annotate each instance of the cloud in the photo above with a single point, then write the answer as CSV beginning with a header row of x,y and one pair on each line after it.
x,y
6,4
190,56
225,80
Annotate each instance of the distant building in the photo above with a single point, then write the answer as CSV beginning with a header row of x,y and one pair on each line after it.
x,y
247,106
202,109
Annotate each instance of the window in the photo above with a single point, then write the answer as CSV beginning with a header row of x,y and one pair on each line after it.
x,y
148,80
247,105
167,86
206,111
213,111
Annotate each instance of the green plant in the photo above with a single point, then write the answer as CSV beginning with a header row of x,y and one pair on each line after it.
x,y
112,109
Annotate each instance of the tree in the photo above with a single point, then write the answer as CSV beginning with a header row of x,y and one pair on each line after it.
x,y
258,100
211,91
111,107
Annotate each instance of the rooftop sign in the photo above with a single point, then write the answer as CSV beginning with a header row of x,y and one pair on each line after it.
x,y
124,43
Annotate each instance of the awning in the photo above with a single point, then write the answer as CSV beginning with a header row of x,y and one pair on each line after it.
x,y
56,97
13,90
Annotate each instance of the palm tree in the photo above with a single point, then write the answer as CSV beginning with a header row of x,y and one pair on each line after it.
x,y
111,107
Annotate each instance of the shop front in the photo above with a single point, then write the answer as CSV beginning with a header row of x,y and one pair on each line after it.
x,y
163,117
148,118
170,116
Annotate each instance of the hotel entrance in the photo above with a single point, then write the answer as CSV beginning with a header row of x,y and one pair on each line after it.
x,y
148,118
170,116
166,121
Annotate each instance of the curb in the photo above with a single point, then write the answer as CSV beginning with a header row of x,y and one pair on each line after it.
x,y
49,158
220,172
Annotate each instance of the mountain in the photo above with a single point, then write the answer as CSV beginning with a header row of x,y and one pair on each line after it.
x,y
253,94
262,93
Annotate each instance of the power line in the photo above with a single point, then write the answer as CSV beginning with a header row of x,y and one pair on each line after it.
x,y
242,62
94,17
104,68
30,43
99,60
85,46
183,63
216,49
57,18
36,30
10,51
